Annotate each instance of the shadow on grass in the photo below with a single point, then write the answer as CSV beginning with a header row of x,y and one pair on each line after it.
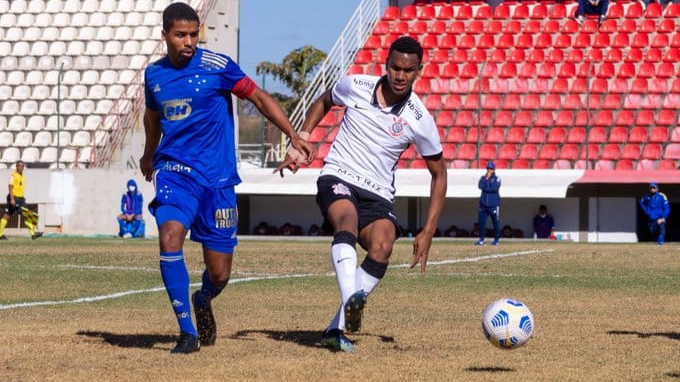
x,y
669,335
490,369
143,341
308,338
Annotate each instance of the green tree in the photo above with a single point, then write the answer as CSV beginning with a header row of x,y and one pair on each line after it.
x,y
295,71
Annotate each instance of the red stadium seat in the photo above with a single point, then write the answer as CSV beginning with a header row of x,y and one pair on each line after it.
x,y
437,28
666,26
524,118
464,118
456,134
569,152
488,151
501,12
631,151
632,101
516,135
667,164
544,41
593,152
659,134
517,56
467,151
511,102
646,164
391,13
539,12
519,86
565,118
409,12
498,56
419,28
422,86
499,86
672,10
604,118
400,28
658,86
556,56
582,40
597,135
433,102
583,119
453,102
625,118
539,85
484,12
612,101
618,134
653,11
675,135
355,69
426,12
666,117
638,135
562,164
445,12
521,11
560,85
634,11
651,151
575,56
449,151
548,152
672,101
528,151
653,55
604,164
628,26
552,102
528,70
640,86
503,119
531,102
491,102
602,41
619,85
464,12
508,152
576,135
520,164
615,11
444,119
572,102
640,40
551,27
609,26
512,27
557,135
475,27
652,101
536,135
541,164
672,151
614,56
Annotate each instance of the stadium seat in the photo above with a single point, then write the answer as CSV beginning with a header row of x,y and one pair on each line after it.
x,y
528,151
508,152
646,164
592,153
552,102
614,56
557,135
666,26
544,118
569,151
672,151
631,151
488,151
634,11
536,135
467,151
464,119
638,134
453,102
548,152
666,117
516,135
564,118
597,134
667,164
611,151
391,13
659,134
456,134
651,151
444,119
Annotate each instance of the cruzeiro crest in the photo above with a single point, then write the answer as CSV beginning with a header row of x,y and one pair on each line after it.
x,y
396,129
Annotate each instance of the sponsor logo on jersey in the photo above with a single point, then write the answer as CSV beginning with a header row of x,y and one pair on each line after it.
x,y
417,113
178,109
156,88
396,129
226,217
364,83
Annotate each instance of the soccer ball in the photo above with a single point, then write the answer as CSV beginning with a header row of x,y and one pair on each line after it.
x,y
507,323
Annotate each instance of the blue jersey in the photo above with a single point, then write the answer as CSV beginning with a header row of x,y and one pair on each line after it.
x,y
490,196
655,205
196,115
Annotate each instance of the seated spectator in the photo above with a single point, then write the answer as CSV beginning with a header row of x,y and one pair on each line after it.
x,y
507,232
592,7
452,231
288,229
264,229
315,230
475,230
544,224
131,220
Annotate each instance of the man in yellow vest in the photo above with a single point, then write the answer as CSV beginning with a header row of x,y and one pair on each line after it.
x,y
17,203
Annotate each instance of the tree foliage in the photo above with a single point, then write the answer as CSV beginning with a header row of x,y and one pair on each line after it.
x,y
295,72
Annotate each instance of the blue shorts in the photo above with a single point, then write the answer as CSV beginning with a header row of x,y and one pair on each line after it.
x,y
210,213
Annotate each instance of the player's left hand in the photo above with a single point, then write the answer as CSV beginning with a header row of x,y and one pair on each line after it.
x,y
421,249
660,221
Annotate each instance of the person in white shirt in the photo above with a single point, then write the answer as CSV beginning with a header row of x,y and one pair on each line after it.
x,y
355,190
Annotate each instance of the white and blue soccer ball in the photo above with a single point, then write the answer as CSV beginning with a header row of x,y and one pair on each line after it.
x,y
507,323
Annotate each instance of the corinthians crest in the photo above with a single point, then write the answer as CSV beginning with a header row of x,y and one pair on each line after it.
x,y
396,129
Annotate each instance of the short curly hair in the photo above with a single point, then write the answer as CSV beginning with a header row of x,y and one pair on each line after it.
x,y
408,45
178,11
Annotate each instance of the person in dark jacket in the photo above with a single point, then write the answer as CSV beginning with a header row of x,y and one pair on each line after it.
x,y
656,207
489,203
130,220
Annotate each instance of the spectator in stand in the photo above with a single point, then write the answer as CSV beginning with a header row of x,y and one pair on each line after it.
x,y
264,229
315,230
475,230
656,207
544,224
506,232
494,3
592,7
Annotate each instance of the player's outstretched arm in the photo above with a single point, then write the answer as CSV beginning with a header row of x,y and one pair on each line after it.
x,y
271,109
423,241
152,130
316,112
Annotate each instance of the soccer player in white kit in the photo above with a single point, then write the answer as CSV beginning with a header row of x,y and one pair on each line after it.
x,y
356,185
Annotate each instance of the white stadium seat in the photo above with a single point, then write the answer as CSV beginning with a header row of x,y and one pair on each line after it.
x,y
115,91
62,138
30,154
86,33
71,6
15,77
125,6
5,48
101,138
104,106
36,6
9,63
21,48
82,62
68,34
43,20
152,19
70,77
32,34
79,19
104,33
89,6
137,61
74,122
77,92
123,34
130,48
115,19
107,6
45,63
3,120
67,155
92,122
18,6
84,154
21,92
125,77
51,77
10,155
28,108
10,107
35,123
100,62
86,107
67,107
120,62
143,5
112,48
94,48
109,77
39,48
53,6
58,48
42,139
8,20
61,20
134,18
25,20
89,77
53,123
6,138
149,46
48,107
141,33
5,92
160,5
40,92
28,63
23,139
16,123
81,138
59,92
48,155
34,77
14,34
97,19
96,92
4,6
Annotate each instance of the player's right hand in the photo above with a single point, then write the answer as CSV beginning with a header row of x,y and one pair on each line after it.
x,y
288,163
146,165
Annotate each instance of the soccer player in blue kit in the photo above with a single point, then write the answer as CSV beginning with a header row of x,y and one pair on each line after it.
x,y
190,155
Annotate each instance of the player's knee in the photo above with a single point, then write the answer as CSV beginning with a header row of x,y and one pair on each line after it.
x,y
380,250
171,237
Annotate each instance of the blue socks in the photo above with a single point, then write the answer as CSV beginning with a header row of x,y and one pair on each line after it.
x,y
207,292
176,281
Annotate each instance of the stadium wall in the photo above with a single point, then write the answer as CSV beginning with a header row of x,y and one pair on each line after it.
x,y
86,202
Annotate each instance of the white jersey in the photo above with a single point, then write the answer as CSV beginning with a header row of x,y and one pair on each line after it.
x,y
371,139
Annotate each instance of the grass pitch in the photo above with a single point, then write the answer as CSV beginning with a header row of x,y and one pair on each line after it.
x,y
82,309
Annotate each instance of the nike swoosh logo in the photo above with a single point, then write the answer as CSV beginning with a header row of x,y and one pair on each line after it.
x,y
341,260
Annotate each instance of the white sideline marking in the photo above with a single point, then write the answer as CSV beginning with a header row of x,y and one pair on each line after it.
x,y
73,266
246,279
